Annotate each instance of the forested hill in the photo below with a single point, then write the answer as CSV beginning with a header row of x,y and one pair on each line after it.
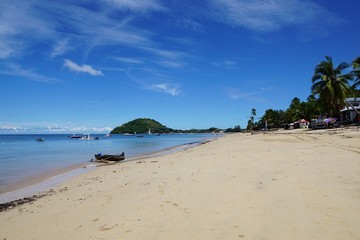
x,y
141,125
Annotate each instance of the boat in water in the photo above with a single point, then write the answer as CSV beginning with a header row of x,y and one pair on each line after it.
x,y
89,137
40,139
75,136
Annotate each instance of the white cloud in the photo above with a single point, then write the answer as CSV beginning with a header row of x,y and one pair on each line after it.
x,y
228,64
18,71
8,47
172,89
235,94
128,60
170,64
165,53
133,5
12,129
23,24
54,128
60,48
269,15
82,68
20,27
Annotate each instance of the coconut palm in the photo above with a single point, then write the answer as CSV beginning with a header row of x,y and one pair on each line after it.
x,y
331,85
356,71
253,115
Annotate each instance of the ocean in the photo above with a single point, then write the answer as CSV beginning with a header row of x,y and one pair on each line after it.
x,y
22,157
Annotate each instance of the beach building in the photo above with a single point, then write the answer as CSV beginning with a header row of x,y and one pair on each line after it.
x,y
352,109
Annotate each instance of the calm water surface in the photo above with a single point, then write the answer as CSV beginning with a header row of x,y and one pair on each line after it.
x,y
22,157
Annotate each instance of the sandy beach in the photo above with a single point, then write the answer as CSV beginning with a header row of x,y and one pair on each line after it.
x,y
294,184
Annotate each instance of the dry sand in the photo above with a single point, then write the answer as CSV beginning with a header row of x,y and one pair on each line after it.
x,y
283,185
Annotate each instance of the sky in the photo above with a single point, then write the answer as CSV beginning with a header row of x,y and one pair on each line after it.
x,y
83,66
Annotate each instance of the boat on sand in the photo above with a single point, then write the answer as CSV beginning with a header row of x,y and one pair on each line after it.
x,y
108,157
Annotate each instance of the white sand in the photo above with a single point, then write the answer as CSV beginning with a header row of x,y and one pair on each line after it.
x,y
285,185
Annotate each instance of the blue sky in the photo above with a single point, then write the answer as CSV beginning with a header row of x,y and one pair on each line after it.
x,y
76,66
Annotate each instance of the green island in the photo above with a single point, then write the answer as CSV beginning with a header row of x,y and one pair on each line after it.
x,y
143,125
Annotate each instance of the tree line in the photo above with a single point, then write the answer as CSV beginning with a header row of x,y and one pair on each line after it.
x,y
330,86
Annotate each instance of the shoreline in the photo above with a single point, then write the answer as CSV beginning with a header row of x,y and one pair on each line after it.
x,y
33,187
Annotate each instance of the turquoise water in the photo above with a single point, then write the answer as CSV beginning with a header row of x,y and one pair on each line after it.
x,y
22,157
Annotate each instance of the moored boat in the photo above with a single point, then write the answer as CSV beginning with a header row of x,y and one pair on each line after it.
x,y
74,136
87,136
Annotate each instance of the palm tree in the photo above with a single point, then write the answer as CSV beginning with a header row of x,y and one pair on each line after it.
x,y
274,118
251,122
253,114
356,71
331,85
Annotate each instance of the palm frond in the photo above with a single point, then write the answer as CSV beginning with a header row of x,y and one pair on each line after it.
x,y
342,66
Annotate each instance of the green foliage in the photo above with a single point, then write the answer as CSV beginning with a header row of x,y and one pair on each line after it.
x,y
331,85
274,118
141,125
252,125
356,72
237,128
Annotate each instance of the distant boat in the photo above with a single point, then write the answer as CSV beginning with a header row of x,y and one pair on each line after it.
x,y
149,131
74,136
107,157
40,139
140,136
108,135
128,134
87,136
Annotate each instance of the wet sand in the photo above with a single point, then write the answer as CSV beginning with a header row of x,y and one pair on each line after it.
x,y
282,185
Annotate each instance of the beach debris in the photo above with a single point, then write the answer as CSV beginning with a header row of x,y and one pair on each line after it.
x,y
15,203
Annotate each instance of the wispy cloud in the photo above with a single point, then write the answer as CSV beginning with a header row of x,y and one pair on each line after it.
x,y
20,27
8,47
128,60
264,15
142,6
60,48
227,64
13,69
190,24
82,68
23,24
254,96
165,53
53,128
12,129
170,64
168,88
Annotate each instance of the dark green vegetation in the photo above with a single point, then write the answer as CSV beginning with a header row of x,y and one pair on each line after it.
x,y
330,86
142,125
